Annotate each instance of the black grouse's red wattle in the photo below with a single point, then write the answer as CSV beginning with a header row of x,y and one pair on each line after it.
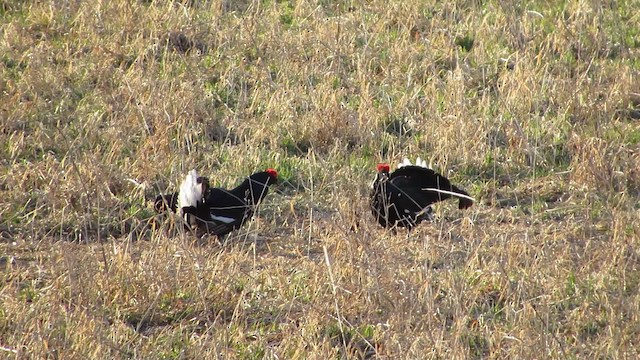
x,y
404,197
218,211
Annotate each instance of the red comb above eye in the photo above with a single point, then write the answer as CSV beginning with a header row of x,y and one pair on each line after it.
x,y
272,172
383,167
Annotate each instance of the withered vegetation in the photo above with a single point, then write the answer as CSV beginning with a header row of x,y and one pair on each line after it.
x,y
532,106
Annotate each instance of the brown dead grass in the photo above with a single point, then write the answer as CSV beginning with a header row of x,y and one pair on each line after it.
x,y
531,107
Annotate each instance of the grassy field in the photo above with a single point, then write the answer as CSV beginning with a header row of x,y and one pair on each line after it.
x,y
533,108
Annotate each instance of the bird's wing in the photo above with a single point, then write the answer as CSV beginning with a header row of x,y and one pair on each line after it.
x,y
436,186
406,194
452,193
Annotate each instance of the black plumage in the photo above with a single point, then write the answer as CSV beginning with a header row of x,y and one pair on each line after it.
x,y
404,197
165,202
219,211
228,210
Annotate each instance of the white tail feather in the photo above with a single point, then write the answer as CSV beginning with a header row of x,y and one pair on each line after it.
x,y
190,191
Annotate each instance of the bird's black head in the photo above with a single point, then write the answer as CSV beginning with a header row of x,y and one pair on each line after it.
x,y
267,177
262,179
258,184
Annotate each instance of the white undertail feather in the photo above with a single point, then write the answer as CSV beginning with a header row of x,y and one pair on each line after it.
x,y
419,162
405,162
190,191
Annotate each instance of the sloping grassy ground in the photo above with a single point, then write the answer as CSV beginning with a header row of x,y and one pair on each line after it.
x,y
534,108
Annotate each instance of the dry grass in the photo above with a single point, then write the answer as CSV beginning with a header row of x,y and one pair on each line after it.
x,y
533,108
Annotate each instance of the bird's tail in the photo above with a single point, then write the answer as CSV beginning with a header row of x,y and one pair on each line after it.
x,y
466,201
166,202
190,190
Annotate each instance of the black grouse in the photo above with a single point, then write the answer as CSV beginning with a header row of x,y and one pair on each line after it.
x,y
404,197
217,211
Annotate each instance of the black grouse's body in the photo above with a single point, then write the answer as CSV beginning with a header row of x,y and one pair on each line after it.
x,y
404,197
228,210
219,211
